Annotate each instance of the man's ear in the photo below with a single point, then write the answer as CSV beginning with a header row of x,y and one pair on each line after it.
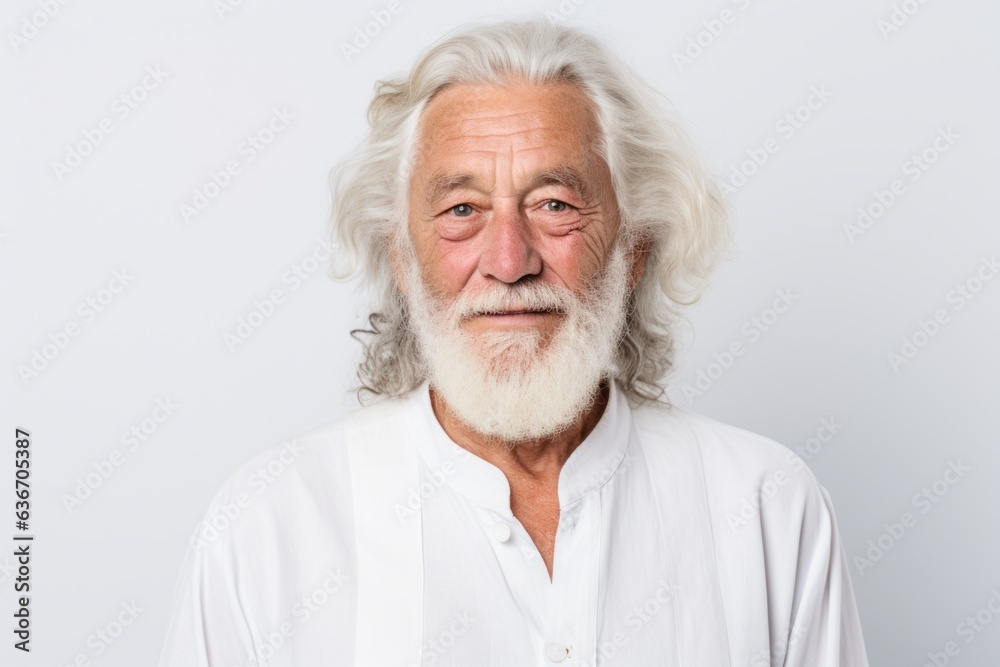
x,y
638,256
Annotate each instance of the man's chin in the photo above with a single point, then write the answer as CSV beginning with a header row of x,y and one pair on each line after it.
x,y
515,410
516,394
501,417
508,370
506,353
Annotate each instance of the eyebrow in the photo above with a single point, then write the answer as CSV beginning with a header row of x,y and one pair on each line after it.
x,y
442,184
566,176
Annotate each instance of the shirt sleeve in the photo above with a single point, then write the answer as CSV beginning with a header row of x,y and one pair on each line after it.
x,y
825,628
208,626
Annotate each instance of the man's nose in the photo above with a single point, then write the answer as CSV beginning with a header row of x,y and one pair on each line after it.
x,y
509,253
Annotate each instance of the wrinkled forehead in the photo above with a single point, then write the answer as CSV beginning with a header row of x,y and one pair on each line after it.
x,y
556,121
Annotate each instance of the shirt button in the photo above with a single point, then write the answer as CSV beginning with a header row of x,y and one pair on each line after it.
x,y
556,652
501,531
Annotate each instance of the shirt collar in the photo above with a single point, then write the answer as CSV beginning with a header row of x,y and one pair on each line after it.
x,y
588,468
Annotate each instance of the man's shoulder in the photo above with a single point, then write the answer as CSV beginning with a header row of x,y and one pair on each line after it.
x,y
315,459
728,455
330,438
676,425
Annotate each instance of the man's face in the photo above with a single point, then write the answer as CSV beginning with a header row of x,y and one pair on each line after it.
x,y
508,188
517,289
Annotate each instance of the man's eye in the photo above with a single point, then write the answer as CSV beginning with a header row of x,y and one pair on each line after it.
x,y
556,206
462,210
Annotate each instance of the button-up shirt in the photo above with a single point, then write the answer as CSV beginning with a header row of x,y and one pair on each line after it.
x,y
681,541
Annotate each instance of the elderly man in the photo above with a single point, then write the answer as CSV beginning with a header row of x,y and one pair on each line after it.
x,y
520,492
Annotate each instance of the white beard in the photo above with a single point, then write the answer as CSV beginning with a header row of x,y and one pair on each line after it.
x,y
504,384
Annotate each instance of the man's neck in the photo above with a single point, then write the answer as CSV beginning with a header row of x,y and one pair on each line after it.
x,y
538,459
531,467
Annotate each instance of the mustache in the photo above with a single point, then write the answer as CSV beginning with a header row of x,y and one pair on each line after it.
x,y
533,297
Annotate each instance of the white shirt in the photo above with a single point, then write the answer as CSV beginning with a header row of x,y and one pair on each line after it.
x,y
681,541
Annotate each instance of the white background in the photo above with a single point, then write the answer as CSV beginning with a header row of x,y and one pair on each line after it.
x,y
62,237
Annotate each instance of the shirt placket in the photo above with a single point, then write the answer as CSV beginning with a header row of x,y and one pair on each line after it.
x,y
572,620
561,613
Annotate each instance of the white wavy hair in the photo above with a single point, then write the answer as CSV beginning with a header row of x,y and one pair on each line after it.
x,y
667,203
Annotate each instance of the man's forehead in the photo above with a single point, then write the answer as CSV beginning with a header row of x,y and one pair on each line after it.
x,y
542,132
488,116
477,100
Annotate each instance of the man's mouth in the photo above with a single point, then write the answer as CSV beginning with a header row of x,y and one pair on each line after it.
x,y
513,312
513,315
519,312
